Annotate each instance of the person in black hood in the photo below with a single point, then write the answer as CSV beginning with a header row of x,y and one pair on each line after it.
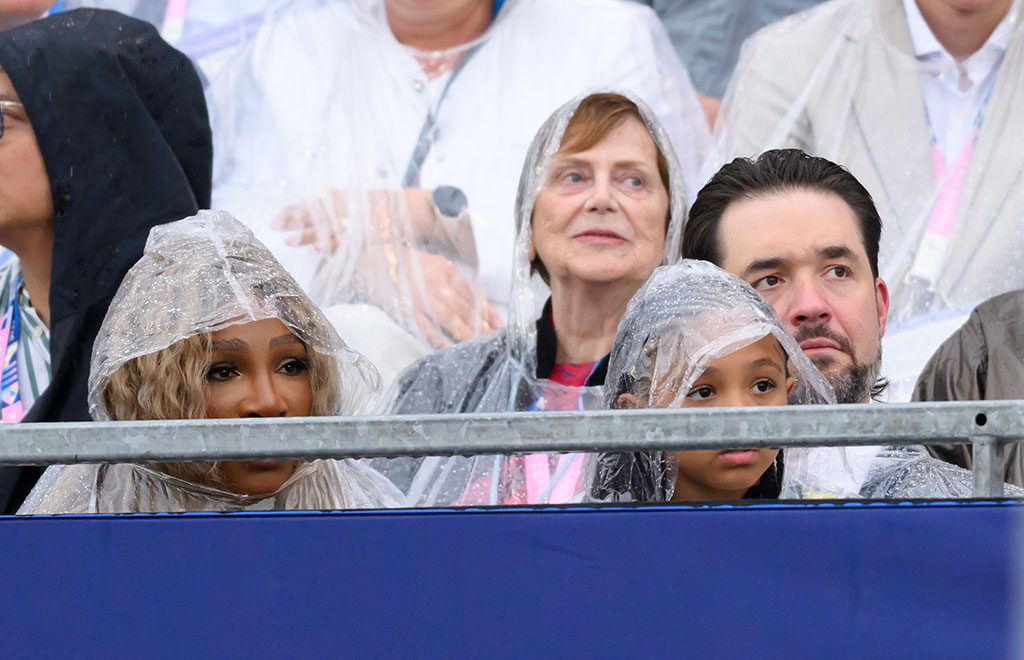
x,y
105,135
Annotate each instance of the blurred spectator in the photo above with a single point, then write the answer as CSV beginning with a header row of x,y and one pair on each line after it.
x,y
389,134
97,108
707,35
983,360
208,31
600,205
919,100
18,12
244,342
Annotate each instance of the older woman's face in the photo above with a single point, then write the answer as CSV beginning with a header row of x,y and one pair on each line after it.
x,y
258,369
25,200
600,216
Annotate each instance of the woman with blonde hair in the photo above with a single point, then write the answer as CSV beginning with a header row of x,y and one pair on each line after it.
x,y
208,325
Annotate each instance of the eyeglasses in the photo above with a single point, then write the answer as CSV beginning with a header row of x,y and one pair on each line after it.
x,y
3,113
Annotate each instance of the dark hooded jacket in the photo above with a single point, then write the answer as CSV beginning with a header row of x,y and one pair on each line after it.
x,y
122,126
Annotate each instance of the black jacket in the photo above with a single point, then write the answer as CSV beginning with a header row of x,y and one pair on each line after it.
x,y
122,126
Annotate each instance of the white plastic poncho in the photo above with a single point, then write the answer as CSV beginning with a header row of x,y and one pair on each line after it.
x,y
684,317
325,110
197,276
497,372
843,81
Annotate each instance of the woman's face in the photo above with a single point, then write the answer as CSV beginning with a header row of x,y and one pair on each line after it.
x,y
600,216
25,199
258,369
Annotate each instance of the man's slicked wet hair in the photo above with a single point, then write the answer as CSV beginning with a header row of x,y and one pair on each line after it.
x,y
773,172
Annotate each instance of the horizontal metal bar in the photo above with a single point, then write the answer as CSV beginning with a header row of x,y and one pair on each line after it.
x,y
511,433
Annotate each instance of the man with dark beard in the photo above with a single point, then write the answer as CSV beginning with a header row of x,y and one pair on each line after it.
x,y
804,233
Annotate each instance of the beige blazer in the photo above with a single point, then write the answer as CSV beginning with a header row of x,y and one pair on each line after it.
x,y
841,81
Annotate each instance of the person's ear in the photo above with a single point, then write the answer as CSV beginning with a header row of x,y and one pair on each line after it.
x,y
790,382
629,402
533,250
882,303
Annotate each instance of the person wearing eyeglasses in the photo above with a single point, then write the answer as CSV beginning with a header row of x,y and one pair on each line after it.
x,y
104,136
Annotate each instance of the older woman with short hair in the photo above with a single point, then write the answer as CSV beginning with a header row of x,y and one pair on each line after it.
x,y
601,203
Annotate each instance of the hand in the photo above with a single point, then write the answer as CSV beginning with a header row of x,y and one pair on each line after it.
x,y
447,306
323,222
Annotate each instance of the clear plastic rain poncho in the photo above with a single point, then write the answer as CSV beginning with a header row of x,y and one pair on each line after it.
x,y
694,312
197,276
208,31
846,81
498,372
326,121
684,317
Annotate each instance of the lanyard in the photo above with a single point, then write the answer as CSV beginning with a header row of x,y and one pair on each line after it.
x,y
173,26
429,131
543,486
10,333
930,257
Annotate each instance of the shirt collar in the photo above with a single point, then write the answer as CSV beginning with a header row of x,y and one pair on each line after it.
x,y
921,36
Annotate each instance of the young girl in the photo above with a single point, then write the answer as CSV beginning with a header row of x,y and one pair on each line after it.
x,y
208,324
696,336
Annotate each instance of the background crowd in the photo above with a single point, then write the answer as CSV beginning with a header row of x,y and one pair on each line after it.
x,y
506,205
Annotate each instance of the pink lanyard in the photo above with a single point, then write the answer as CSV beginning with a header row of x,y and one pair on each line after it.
x,y
174,20
543,486
931,255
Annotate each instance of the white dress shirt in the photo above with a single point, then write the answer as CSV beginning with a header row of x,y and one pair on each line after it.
x,y
955,90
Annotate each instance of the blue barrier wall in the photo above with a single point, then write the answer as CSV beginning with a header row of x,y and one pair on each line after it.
x,y
825,581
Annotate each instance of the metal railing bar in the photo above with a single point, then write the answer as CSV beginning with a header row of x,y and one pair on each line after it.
x,y
987,467
510,433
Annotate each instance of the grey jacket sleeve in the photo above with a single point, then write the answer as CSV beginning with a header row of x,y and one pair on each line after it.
x,y
956,373
983,360
957,370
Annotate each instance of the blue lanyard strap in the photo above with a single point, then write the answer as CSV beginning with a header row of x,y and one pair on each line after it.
x,y
10,394
429,131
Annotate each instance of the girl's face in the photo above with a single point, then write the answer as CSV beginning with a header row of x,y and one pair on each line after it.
x,y
258,369
754,375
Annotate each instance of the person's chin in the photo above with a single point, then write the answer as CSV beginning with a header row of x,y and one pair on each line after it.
x,y
829,360
599,273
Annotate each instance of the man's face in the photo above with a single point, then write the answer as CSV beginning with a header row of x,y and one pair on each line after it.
x,y
803,251
964,9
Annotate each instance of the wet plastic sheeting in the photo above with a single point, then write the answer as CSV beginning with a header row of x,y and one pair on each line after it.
x,y
498,372
327,120
682,319
228,278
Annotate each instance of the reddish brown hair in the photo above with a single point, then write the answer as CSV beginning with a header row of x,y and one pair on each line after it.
x,y
596,117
